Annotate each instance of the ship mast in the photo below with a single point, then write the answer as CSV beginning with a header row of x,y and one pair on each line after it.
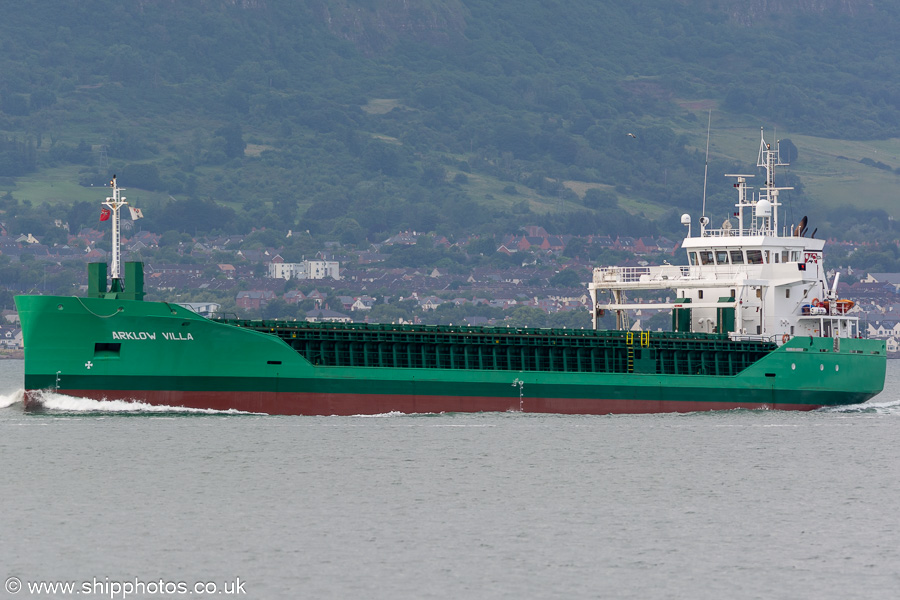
x,y
114,203
767,204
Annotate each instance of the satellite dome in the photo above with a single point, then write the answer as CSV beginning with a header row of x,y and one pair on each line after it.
x,y
763,208
685,219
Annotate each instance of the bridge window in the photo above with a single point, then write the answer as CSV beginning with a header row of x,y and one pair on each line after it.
x,y
754,257
706,257
737,257
784,255
693,257
722,257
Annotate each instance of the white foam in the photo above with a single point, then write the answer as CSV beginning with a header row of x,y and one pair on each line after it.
x,y
889,407
54,401
393,413
9,399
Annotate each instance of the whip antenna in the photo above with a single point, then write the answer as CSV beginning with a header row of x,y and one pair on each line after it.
x,y
706,168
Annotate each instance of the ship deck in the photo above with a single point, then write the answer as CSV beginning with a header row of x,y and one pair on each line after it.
x,y
512,349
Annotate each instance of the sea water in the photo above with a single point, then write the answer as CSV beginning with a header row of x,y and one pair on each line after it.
x,y
134,501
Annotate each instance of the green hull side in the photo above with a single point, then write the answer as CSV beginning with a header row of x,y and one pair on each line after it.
x,y
167,347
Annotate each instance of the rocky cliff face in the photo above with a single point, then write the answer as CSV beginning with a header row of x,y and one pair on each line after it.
x,y
375,25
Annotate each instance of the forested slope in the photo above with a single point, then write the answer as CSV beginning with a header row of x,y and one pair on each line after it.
x,y
357,118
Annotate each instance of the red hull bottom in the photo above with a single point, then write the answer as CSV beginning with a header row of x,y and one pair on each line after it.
x,y
373,404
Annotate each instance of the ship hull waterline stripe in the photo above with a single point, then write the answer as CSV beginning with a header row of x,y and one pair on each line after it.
x,y
323,404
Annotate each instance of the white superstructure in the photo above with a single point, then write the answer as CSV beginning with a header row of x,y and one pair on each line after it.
x,y
756,280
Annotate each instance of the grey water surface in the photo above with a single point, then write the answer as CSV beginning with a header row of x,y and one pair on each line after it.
x,y
736,504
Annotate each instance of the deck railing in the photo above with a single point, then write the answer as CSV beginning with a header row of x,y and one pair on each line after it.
x,y
640,274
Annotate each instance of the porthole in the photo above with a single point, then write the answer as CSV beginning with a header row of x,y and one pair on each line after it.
x,y
821,367
837,368
793,366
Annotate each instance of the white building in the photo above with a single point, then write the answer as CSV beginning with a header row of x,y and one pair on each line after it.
x,y
308,269
11,338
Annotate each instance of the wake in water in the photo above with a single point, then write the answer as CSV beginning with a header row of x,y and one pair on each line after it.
x,y
393,413
16,397
47,400
891,407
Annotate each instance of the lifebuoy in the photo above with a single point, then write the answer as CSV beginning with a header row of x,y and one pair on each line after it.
x,y
785,338
815,302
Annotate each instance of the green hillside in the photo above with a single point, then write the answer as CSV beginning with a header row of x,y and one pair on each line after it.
x,y
357,118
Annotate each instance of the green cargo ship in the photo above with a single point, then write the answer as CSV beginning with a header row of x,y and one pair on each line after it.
x,y
749,331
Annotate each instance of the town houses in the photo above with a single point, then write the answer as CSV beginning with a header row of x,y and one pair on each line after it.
x,y
469,280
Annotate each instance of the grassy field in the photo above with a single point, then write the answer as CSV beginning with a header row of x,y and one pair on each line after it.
x,y
635,206
829,169
59,185
490,190
54,186
833,175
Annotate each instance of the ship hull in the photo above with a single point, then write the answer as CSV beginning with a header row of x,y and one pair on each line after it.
x,y
283,403
162,354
